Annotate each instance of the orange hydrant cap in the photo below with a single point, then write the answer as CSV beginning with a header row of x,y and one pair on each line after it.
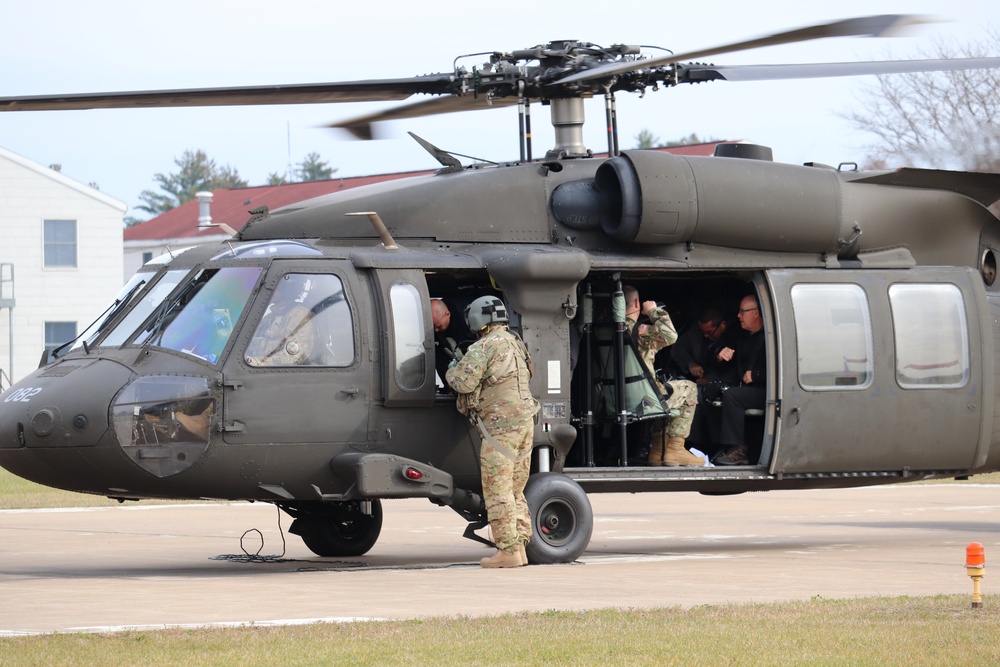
x,y
975,555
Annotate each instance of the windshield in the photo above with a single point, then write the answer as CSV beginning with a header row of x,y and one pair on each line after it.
x,y
120,304
199,319
153,297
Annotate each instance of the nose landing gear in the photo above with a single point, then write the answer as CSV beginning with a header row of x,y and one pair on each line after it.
x,y
337,529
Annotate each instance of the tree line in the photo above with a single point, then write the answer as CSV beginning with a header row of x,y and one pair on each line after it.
x,y
197,172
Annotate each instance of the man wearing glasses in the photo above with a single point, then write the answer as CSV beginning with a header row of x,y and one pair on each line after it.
x,y
695,351
750,365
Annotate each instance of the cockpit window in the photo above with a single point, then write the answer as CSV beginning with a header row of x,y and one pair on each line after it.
x,y
307,322
121,303
153,297
199,319
269,249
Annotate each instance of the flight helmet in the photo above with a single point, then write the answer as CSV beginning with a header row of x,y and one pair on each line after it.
x,y
484,311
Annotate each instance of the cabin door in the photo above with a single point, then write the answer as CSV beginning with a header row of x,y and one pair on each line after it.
x,y
880,371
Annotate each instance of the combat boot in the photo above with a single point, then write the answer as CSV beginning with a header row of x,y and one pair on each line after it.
x,y
656,453
677,455
522,554
503,559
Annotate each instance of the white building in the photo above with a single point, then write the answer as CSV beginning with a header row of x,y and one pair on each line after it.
x,y
60,260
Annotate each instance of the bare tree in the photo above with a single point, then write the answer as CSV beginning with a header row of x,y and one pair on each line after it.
x,y
935,119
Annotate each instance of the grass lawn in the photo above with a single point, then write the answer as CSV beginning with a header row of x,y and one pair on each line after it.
x,y
876,632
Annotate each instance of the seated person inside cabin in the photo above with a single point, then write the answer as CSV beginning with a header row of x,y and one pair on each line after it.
x,y
652,330
695,353
695,350
750,364
285,335
451,335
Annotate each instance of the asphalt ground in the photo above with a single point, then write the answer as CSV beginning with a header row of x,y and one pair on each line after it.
x,y
156,566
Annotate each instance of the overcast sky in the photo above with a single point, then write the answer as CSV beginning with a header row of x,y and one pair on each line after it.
x,y
64,46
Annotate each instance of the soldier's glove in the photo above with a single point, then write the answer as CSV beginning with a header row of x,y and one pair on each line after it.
x,y
452,349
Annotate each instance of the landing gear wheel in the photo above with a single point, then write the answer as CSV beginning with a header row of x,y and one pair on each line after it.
x,y
339,529
562,520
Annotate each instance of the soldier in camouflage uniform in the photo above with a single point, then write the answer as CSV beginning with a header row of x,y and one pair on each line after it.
x,y
491,381
285,335
667,442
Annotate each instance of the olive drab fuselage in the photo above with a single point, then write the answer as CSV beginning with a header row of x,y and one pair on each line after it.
x,y
296,362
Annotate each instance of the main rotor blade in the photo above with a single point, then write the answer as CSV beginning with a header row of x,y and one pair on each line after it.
x,y
867,26
361,126
820,70
375,90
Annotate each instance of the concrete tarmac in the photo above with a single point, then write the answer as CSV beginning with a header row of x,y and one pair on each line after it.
x,y
155,566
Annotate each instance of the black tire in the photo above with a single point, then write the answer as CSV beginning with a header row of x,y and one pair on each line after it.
x,y
342,529
562,520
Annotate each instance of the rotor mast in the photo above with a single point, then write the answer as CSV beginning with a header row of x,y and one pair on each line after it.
x,y
567,121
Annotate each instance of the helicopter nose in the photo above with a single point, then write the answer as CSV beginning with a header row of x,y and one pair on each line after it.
x,y
65,405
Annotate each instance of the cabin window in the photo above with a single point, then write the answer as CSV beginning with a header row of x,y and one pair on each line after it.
x,y
307,322
408,334
932,335
834,336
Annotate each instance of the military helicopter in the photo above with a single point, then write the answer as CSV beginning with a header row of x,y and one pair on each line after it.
x,y
880,331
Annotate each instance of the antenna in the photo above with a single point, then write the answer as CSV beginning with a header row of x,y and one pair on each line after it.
x,y
288,130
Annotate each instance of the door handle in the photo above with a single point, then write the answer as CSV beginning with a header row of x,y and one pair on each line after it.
x,y
352,392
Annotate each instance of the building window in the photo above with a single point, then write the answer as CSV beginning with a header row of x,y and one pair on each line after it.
x,y
834,336
932,335
146,256
60,243
57,333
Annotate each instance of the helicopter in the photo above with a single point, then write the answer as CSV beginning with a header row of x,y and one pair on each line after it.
x,y
879,331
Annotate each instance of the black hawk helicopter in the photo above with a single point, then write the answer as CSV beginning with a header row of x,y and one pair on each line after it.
x,y
295,363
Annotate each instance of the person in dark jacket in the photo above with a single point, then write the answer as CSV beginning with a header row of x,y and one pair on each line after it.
x,y
751,368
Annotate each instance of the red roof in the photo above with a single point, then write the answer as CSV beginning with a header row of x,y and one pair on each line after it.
x,y
232,206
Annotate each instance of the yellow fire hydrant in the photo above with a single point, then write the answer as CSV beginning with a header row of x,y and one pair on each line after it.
x,y
975,567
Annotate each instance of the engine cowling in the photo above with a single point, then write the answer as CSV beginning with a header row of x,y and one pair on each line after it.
x,y
652,197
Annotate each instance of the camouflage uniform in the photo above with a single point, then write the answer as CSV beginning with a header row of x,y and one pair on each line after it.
x,y
652,338
491,381
284,339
